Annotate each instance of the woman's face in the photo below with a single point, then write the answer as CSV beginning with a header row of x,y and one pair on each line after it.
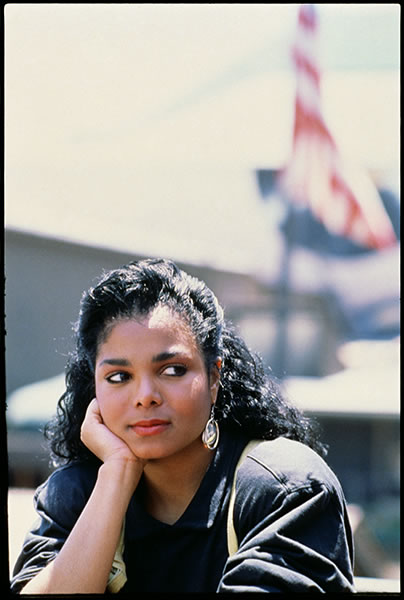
x,y
152,386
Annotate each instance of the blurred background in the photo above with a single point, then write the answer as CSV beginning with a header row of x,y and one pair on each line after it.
x,y
255,144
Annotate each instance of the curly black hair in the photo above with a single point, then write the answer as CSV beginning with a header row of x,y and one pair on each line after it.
x,y
249,400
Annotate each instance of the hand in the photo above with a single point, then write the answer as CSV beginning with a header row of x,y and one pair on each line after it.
x,y
102,441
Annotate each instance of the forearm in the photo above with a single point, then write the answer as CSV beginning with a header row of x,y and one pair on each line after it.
x,y
84,562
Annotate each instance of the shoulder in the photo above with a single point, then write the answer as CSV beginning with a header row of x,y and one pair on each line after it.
x,y
283,466
67,489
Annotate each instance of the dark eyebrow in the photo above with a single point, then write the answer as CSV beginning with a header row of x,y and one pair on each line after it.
x,y
123,362
116,362
164,356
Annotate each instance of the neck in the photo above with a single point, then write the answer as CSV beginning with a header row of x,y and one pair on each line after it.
x,y
171,483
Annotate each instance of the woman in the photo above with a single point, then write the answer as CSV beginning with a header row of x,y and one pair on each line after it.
x,y
161,399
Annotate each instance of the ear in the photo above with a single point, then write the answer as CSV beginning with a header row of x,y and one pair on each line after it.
x,y
214,379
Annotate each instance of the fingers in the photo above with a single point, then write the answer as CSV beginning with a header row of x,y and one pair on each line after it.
x,y
98,438
93,410
91,418
94,407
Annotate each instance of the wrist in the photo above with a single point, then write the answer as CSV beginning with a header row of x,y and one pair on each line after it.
x,y
121,473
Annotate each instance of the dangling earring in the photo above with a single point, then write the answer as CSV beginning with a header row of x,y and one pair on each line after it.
x,y
210,435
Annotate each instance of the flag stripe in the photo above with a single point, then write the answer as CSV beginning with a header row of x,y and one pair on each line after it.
x,y
315,176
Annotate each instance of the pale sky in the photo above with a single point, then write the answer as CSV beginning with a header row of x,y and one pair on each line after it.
x,y
123,116
94,80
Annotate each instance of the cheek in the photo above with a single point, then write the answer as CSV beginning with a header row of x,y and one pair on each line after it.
x,y
100,392
198,401
109,402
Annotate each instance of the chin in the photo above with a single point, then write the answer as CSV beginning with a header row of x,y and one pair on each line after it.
x,y
159,451
150,451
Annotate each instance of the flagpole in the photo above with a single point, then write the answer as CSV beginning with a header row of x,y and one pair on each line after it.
x,y
285,295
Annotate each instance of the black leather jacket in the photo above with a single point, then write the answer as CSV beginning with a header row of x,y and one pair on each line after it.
x,y
290,517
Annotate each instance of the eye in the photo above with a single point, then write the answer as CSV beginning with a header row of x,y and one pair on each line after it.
x,y
118,377
175,370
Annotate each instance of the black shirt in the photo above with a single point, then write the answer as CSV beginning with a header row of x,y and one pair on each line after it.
x,y
290,517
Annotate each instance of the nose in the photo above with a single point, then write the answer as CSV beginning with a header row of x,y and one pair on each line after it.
x,y
146,394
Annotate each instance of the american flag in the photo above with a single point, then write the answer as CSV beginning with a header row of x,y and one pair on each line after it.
x,y
347,203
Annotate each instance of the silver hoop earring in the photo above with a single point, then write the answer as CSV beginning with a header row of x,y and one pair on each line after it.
x,y
210,435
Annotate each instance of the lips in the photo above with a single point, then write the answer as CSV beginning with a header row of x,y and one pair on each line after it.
x,y
150,427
